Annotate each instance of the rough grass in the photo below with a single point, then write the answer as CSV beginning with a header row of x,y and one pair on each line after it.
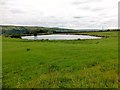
x,y
61,64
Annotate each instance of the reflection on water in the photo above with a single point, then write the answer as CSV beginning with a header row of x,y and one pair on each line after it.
x,y
59,37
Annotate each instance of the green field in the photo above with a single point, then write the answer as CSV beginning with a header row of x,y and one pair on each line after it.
x,y
61,64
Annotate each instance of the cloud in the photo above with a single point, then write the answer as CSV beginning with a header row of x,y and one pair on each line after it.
x,y
17,11
77,17
98,9
2,3
78,2
60,13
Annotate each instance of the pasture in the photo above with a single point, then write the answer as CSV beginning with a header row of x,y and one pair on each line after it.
x,y
61,64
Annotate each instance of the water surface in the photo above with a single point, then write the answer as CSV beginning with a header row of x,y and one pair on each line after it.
x,y
59,37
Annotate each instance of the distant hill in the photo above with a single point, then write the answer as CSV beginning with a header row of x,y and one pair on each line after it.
x,y
30,30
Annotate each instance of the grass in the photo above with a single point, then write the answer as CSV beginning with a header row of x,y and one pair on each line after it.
x,y
0,62
61,64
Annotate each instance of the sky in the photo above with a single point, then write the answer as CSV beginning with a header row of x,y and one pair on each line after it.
x,y
72,14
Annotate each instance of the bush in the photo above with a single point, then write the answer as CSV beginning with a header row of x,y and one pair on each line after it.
x,y
28,49
15,36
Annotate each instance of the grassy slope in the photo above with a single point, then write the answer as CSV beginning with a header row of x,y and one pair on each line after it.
x,y
80,63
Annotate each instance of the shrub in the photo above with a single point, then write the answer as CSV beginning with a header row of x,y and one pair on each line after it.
x,y
15,36
28,49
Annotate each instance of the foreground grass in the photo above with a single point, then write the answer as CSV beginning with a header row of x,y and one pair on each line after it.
x,y
61,64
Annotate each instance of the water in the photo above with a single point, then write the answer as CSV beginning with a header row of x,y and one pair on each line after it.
x,y
59,37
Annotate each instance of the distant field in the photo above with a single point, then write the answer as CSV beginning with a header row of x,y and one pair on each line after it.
x,y
61,64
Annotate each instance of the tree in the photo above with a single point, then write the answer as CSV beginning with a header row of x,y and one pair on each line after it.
x,y
35,34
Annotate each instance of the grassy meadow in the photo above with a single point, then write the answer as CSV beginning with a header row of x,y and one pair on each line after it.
x,y
61,64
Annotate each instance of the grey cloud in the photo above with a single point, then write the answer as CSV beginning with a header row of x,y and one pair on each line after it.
x,y
17,11
2,3
94,1
85,2
98,9
92,21
83,7
77,17
77,3
91,8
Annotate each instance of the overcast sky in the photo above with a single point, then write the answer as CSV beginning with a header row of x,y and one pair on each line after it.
x,y
75,14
